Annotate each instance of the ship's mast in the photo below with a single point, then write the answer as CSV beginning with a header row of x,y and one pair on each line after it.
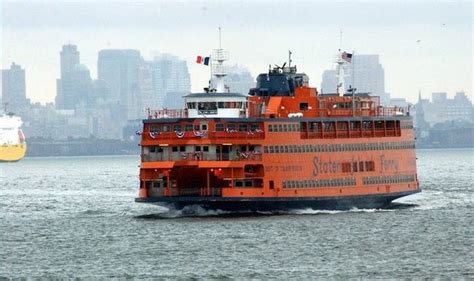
x,y
217,66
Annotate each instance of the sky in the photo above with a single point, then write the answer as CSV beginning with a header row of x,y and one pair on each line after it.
x,y
423,45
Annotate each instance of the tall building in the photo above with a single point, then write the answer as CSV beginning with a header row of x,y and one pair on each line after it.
x,y
163,82
365,73
329,82
13,87
119,69
74,87
69,58
239,79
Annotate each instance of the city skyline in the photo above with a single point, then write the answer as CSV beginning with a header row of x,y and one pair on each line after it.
x,y
422,52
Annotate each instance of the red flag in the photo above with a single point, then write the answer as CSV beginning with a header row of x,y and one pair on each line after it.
x,y
199,59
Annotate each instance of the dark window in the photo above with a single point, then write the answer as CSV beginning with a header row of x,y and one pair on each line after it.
x,y
188,127
205,148
304,106
219,127
231,127
153,128
182,148
177,128
242,127
270,128
174,148
197,148
271,184
165,128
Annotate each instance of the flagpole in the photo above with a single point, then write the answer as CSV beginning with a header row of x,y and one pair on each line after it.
x,y
353,83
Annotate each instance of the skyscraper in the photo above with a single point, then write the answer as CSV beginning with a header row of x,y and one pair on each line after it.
x,y
365,73
69,58
13,87
164,81
239,79
119,69
75,85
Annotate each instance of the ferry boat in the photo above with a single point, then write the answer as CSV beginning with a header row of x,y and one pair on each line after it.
x,y
12,138
282,146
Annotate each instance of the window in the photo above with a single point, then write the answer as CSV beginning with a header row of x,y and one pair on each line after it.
x,y
182,148
304,106
188,127
254,127
197,148
271,184
177,128
206,149
361,166
270,128
165,128
174,148
191,105
242,127
354,167
231,127
219,127
153,128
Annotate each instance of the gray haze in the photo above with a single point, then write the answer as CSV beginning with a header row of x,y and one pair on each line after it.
x,y
425,45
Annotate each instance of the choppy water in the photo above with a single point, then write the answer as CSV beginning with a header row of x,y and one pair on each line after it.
x,y
75,217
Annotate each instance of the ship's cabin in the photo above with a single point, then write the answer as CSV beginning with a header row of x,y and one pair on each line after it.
x,y
279,81
218,105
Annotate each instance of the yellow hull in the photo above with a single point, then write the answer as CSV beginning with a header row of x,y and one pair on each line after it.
x,y
11,153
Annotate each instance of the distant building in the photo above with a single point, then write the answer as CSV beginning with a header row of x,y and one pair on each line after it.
x,y
69,58
13,87
163,82
365,73
74,87
119,69
328,82
442,109
239,79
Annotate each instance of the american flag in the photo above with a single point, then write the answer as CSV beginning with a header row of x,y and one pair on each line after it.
x,y
347,57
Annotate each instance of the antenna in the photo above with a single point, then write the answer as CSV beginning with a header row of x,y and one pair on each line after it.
x,y
289,59
220,45
340,39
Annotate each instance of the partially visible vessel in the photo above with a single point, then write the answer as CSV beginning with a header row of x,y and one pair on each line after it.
x,y
12,138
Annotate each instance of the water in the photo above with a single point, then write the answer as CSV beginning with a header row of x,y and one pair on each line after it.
x,y
75,217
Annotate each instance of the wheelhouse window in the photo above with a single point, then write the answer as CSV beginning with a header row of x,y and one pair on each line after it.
x,y
191,105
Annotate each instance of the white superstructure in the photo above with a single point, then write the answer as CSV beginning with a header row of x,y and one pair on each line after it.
x,y
10,132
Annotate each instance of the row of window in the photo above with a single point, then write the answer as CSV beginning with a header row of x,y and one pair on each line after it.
x,y
319,183
292,127
406,125
341,125
337,147
388,179
362,166
220,127
212,105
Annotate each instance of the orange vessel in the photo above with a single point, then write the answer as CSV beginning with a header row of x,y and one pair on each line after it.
x,y
283,146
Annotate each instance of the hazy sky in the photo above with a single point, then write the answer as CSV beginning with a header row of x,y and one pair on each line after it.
x,y
423,45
